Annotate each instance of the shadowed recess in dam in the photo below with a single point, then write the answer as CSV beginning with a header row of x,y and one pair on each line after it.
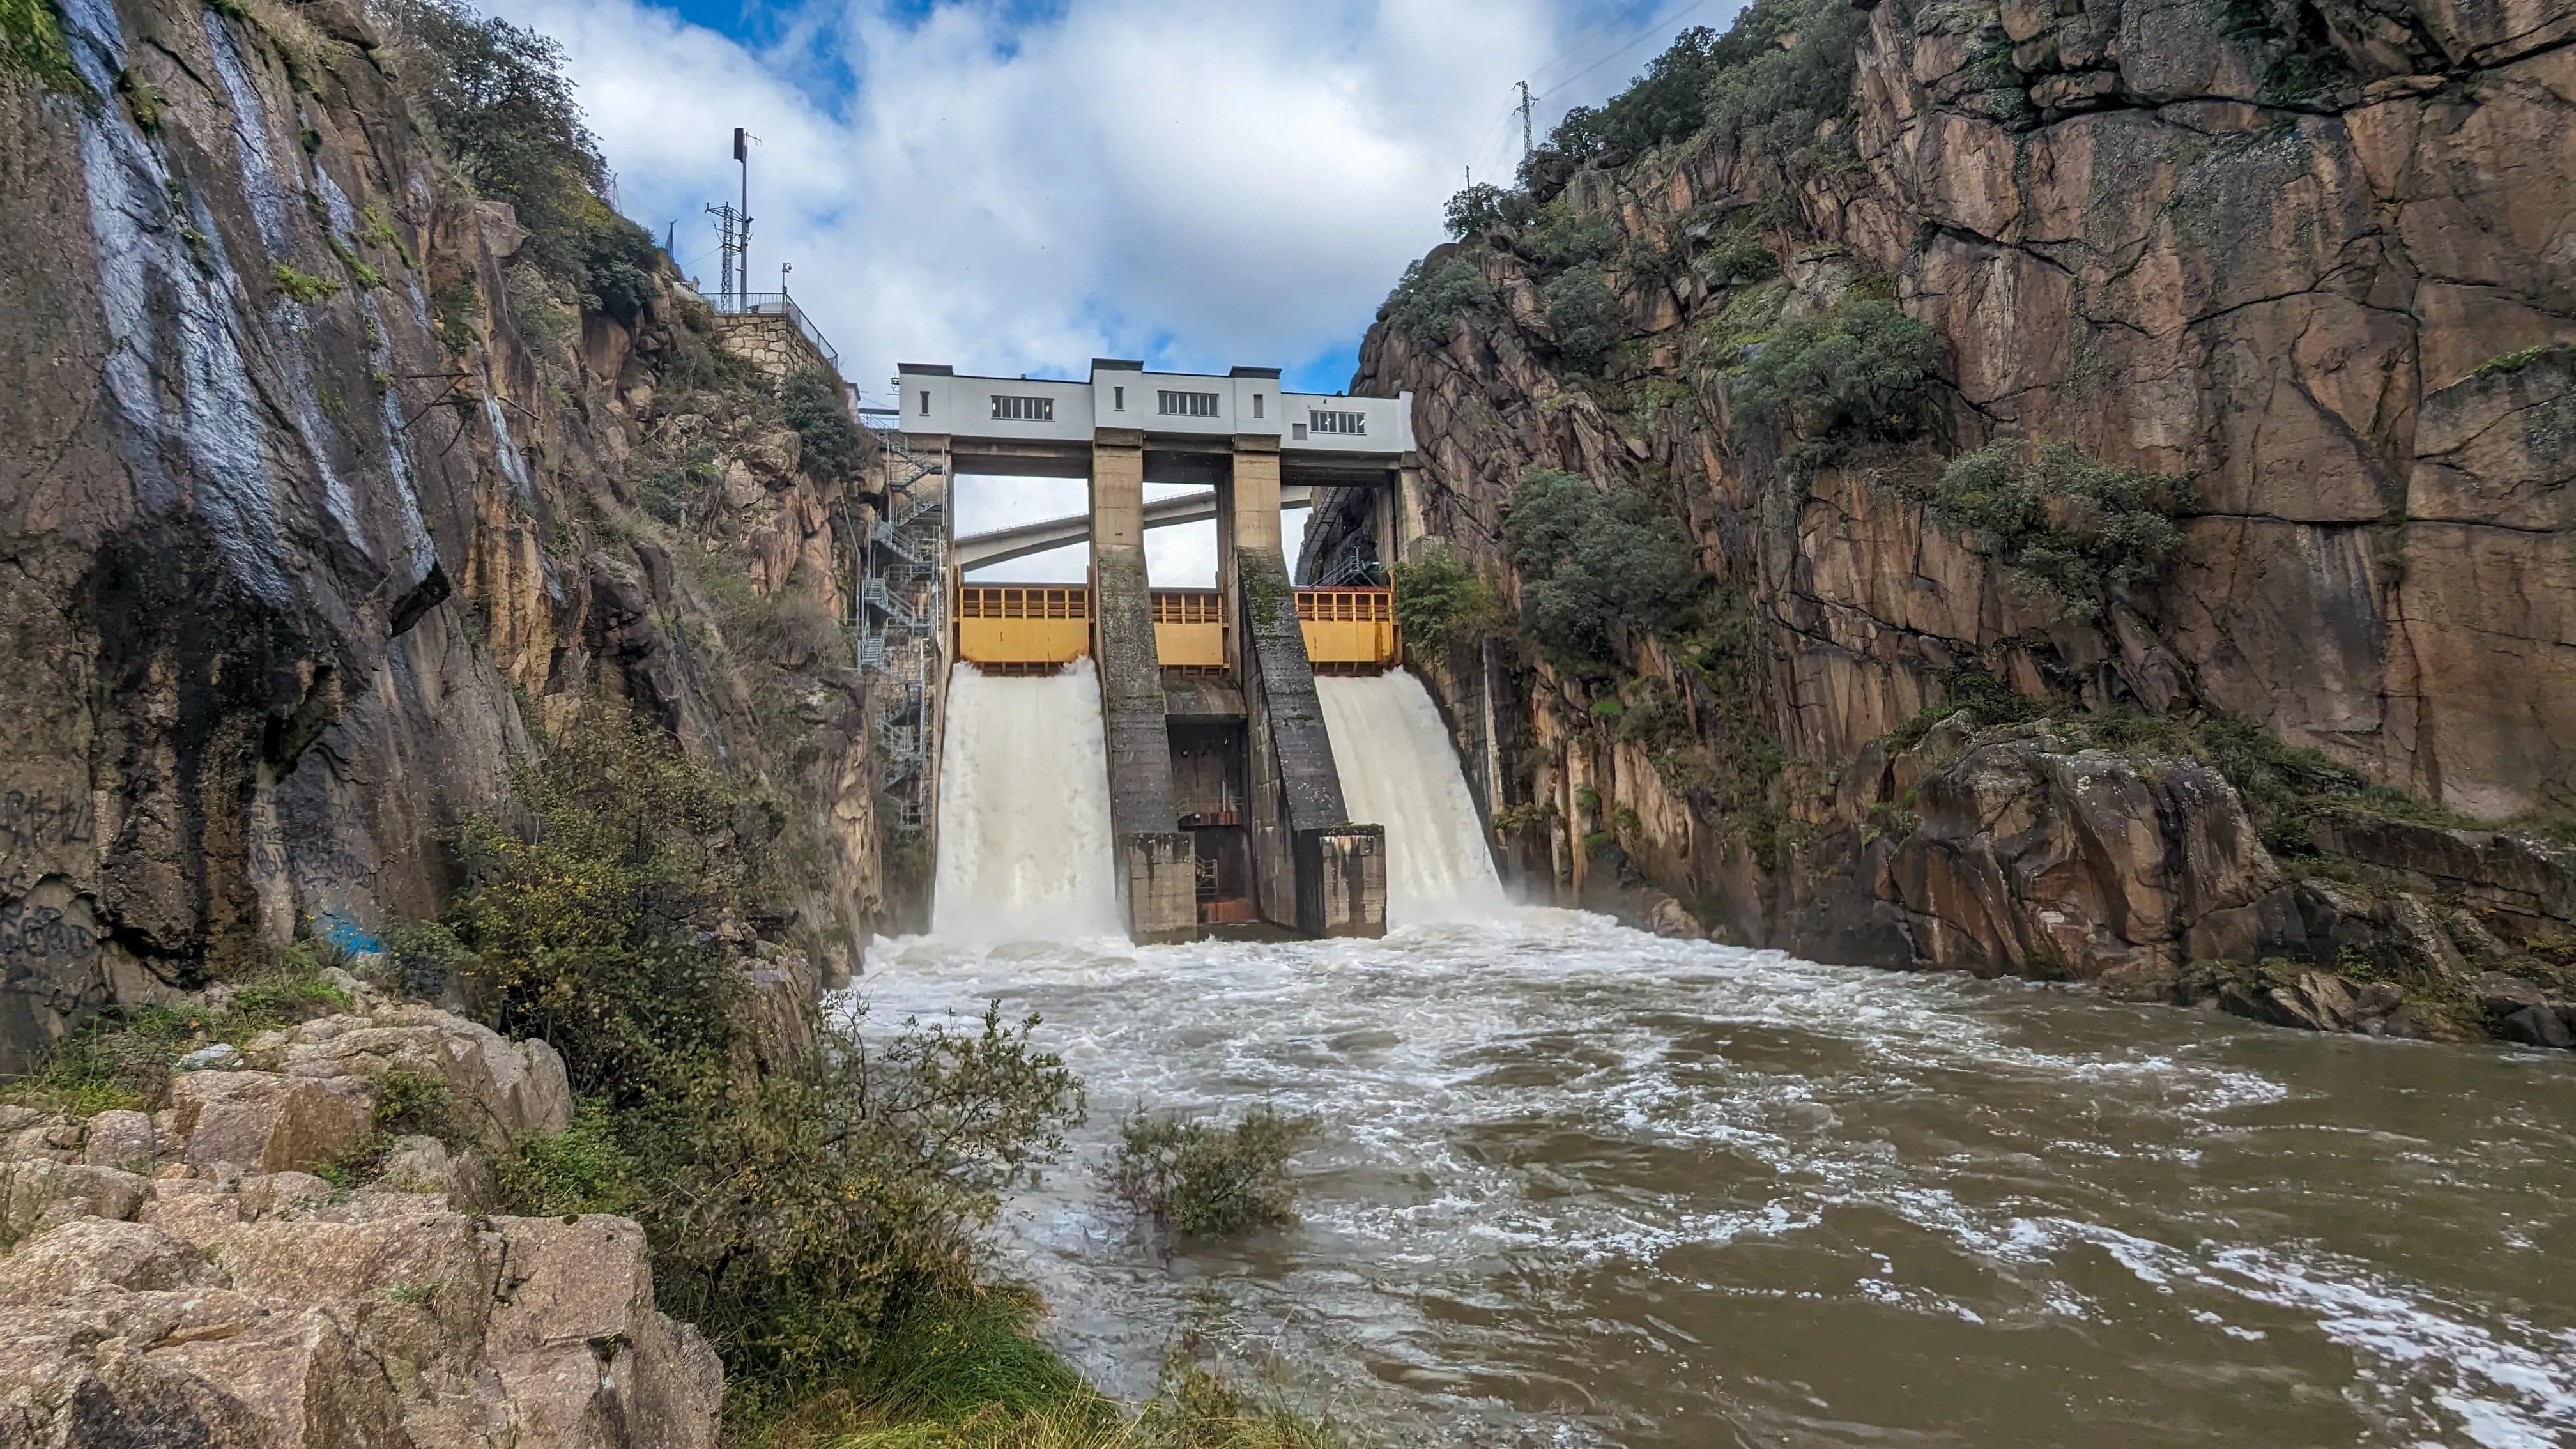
x,y
1399,771
1024,833
1579,1186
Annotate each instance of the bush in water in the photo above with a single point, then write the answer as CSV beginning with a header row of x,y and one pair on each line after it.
x,y
1202,1179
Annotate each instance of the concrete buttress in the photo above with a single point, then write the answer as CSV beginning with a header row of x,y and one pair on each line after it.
x,y
1313,869
1156,860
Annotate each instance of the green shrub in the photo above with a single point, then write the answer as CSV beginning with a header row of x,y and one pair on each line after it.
x,y
497,95
1737,256
2067,529
1203,1179
453,308
545,324
1765,96
794,1213
1744,85
812,404
420,959
1439,598
1566,238
686,486
578,1170
413,1103
1592,561
1585,314
795,1197
1426,305
122,1058
2505,364
1995,703
1665,104
591,929
1484,207
1860,373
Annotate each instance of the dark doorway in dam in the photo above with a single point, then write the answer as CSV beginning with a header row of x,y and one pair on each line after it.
x,y
1208,794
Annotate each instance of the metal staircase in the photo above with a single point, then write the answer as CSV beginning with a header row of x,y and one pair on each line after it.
x,y
901,599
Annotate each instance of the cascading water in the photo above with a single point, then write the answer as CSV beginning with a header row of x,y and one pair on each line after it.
x,y
1024,834
1399,771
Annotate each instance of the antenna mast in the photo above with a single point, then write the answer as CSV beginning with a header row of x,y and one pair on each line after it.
x,y
733,226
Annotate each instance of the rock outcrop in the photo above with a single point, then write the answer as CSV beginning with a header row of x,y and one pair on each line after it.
x,y
210,1289
2319,268
324,501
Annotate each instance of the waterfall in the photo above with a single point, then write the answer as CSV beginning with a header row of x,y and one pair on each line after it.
x,y
1025,846
1399,771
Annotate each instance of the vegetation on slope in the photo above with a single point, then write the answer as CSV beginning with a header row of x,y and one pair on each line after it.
x,y
1594,563
497,96
2068,529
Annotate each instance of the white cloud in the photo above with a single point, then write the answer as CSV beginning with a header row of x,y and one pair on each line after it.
x,y
1200,184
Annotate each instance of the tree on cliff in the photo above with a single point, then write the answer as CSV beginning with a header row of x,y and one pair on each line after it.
x,y
497,96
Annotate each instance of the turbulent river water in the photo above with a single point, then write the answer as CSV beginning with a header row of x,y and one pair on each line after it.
x,y
1578,1185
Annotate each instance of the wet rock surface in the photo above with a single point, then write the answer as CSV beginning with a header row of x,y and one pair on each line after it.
x,y
315,482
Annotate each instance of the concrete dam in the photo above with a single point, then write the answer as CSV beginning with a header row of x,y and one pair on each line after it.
x,y
1093,755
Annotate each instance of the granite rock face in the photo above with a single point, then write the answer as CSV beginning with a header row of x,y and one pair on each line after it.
x,y
2328,276
311,485
209,1291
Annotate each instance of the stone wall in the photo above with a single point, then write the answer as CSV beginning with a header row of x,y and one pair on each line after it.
x,y
772,342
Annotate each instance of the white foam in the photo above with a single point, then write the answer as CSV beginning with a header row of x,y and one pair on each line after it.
x,y
1398,771
1025,843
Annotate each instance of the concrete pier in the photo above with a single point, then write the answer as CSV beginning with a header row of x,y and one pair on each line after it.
x,y
1156,864
1314,871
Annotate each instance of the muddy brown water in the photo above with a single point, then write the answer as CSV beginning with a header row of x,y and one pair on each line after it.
x,y
1580,1186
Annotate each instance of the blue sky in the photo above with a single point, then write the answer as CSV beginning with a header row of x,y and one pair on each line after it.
x,y
1021,185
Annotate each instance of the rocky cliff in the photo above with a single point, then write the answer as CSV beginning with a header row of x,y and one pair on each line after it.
x,y
326,497
2287,293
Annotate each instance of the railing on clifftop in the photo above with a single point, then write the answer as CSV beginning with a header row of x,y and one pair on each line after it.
x,y
778,304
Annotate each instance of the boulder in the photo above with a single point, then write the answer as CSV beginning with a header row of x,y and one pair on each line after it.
x,y
294,1380
267,1123
201,1218
89,1252
2540,1026
281,1194
506,1089
572,1290
40,1194
116,1138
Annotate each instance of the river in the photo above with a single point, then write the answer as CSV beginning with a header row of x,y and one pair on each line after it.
x,y
1577,1185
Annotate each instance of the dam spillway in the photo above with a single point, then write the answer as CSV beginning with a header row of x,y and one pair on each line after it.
x,y
1024,842
1399,769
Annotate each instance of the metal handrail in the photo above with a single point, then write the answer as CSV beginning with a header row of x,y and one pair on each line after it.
x,y
774,304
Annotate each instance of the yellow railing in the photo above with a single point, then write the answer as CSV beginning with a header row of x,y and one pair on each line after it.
x,y
1189,629
1348,629
1023,623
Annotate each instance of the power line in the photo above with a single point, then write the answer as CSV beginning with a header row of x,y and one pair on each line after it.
x,y
1685,13
1581,39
